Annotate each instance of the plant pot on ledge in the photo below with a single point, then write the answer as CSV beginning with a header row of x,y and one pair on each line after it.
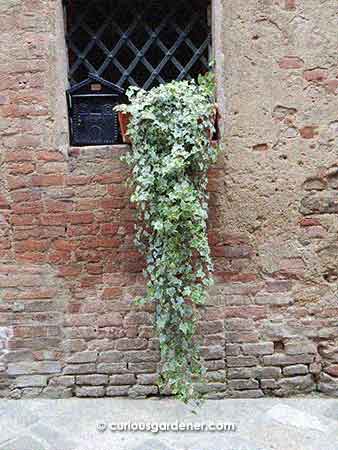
x,y
124,119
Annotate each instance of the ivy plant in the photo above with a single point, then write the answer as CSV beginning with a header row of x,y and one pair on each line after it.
x,y
170,129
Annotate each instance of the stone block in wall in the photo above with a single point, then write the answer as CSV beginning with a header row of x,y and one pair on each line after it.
x,y
269,383
90,391
268,372
280,359
332,370
57,392
33,367
77,369
241,373
208,388
142,367
328,385
82,357
276,299
325,202
92,379
131,344
117,391
217,377
261,348
142,391
111,357
147,378
62,381
30,381
298,369
214,364
142,356
299,348
243,384
232,349
110,368
296,384
250,393
242,361
122,379
213,352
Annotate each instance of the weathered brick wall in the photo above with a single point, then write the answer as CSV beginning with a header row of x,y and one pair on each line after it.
x,y
68,267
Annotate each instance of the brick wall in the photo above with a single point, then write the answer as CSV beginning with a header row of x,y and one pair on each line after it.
x,y
68,267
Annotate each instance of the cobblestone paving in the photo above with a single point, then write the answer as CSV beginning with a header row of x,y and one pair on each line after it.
x,y
72,424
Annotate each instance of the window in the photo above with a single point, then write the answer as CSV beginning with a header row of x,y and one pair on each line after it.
x,y
135,42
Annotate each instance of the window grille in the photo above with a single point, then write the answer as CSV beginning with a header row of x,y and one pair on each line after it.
x,y
137,42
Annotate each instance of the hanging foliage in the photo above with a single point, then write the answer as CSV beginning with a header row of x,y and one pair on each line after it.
x,y
170,130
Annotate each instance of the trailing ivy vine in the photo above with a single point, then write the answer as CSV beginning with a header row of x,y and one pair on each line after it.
x,y
170,129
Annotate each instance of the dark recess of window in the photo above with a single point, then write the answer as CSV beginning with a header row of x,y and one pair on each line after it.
x,y
137,42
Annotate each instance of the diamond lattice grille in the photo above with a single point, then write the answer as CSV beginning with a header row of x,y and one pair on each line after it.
x,y
137,42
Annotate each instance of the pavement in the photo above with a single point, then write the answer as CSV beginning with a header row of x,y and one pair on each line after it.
x,y
85,424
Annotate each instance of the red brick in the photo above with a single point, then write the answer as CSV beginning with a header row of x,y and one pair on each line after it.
x,y
95,269
5,244
308,132
31,294
117,176
64,245
34,258
27,208
37,232
15,156
70,271
82,230
291,62
21,220
99,243
21,168
50,156
109,229
81,218
60,257
32,245
332,86
111,293
53,219
56,206
4,204
77,180
47,180
244,312
227,251
226,277
18,182
278,286
86,205
91,281
25,196
332,370
117,190
260,147
315,75
309,222
290,5
113,203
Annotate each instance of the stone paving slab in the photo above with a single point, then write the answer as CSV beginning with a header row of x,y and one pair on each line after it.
x,y
261,424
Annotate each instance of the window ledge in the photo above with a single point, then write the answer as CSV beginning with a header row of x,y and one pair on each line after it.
x,y
99,151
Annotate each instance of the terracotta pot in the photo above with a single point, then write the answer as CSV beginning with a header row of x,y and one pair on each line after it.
x,y
213,137
124,119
